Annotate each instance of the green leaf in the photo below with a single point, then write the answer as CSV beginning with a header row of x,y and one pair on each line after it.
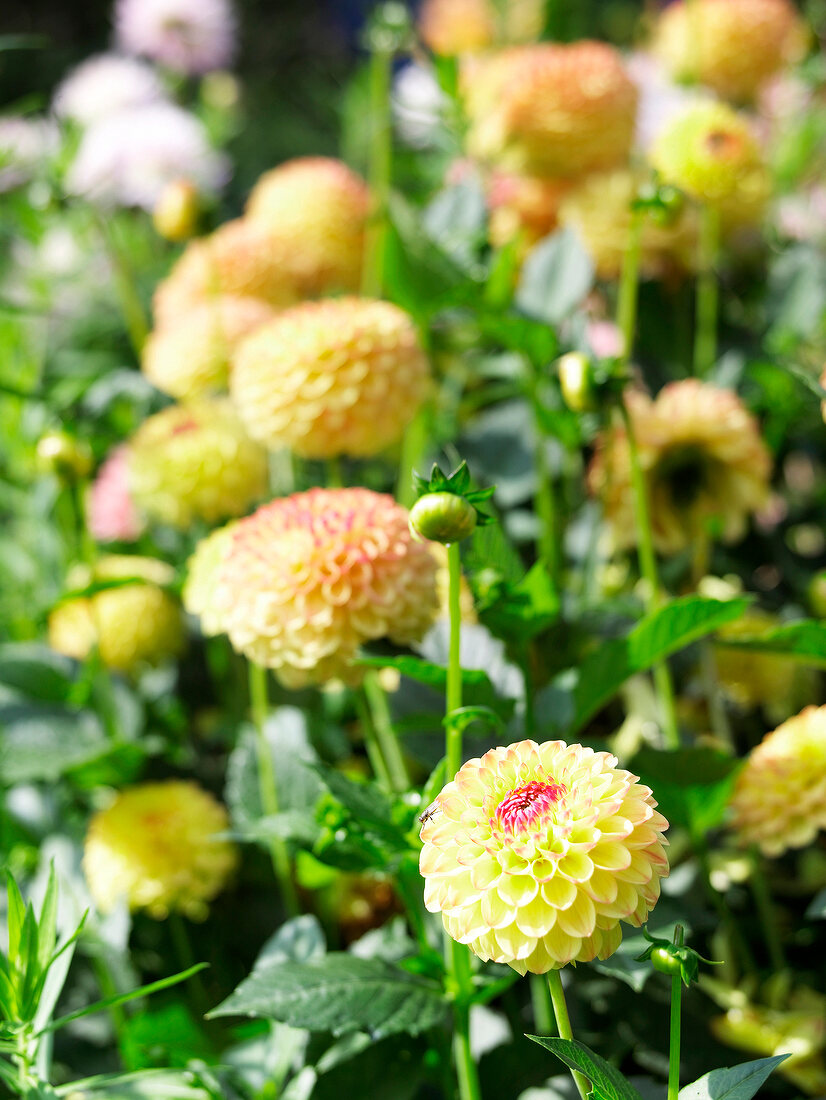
x,y
47,925
41,743
16,916
692,785
533,339
339,993
36,671
607,1081
803,641
735,1083
817,907
556,276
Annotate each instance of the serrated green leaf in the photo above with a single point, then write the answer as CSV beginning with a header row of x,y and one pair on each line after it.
x,y
691,785
606,1080
733,1083
803,641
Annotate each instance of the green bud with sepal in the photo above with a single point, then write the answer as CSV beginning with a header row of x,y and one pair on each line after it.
x,y
447,510
673,958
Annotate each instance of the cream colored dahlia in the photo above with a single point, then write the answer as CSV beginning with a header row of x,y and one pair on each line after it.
x,y
733,46
710,152
200,594
343,376
195,461
189,356
704,460
535,853
779,801
305,581
315,211
237,259
549,109
451,27
131,625
599,208
158,847
526,205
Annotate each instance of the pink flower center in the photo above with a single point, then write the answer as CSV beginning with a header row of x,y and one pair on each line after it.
x,y
521,807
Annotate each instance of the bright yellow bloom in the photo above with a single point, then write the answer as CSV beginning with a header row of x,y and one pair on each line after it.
x,y
550,110
704,459
710,152
535,853
343,376
451,27
131,625
158,848
195,461
314,210
779,801
189,357
303,582
733,46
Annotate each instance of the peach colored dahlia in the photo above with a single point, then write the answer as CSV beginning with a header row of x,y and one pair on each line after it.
x,y
780,798
305,581
200,595
315,211
343,376
535,853
451,27
157,847
704,460
549,109
195,461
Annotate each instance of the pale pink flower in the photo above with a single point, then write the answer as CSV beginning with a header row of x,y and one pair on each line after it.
x,y
105,84
110,510
190,36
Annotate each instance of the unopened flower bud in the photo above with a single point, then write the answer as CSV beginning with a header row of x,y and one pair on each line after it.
x,y
576,381
175,216
64,455
442,517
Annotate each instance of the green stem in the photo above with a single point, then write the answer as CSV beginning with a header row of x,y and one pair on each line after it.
x,y
766,913
335,475
674,1033
414,443
543,1012
267,789
629,286
380,727
453,747
380,171
547,546
705,338
131,306
186,960
563,1025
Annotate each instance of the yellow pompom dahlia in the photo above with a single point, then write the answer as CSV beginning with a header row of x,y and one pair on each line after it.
x,y
314,210
535,853
200,593
343,376
189,356
451,27
779,801
733,46
130,625
550,110
304,581
158,848
710,152
237,259
703,458
195,461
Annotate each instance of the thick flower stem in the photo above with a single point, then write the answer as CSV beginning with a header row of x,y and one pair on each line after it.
x,y
453,747
563,1025
675,1025
705,336
766,913
547,544
379,728
268,792
380,170
629,286
543,1011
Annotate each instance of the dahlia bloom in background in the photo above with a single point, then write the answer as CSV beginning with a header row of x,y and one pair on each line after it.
x,y
303,582
200,593
190,36
533,855
189,356
128,158
550,110
342,376
704,460
733,46
130,625
451,27
659,98
523,204
110,510
779,801
195,461
315,211
158,847
418,105
25,145
104,85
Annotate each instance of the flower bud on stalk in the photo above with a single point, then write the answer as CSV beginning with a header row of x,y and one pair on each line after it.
x,y
175,216
64,455
576,380
442,517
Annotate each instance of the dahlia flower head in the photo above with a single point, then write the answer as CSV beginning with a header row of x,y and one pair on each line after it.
x,y
710,152
779,801
158,848
195,461
131,625
418,105
314,210
237,260
111,514
451,27
599,209
733,46
301,584
704,460
533,855
189,356
128,158
104,85
550,109
334,377
189,36
525,206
